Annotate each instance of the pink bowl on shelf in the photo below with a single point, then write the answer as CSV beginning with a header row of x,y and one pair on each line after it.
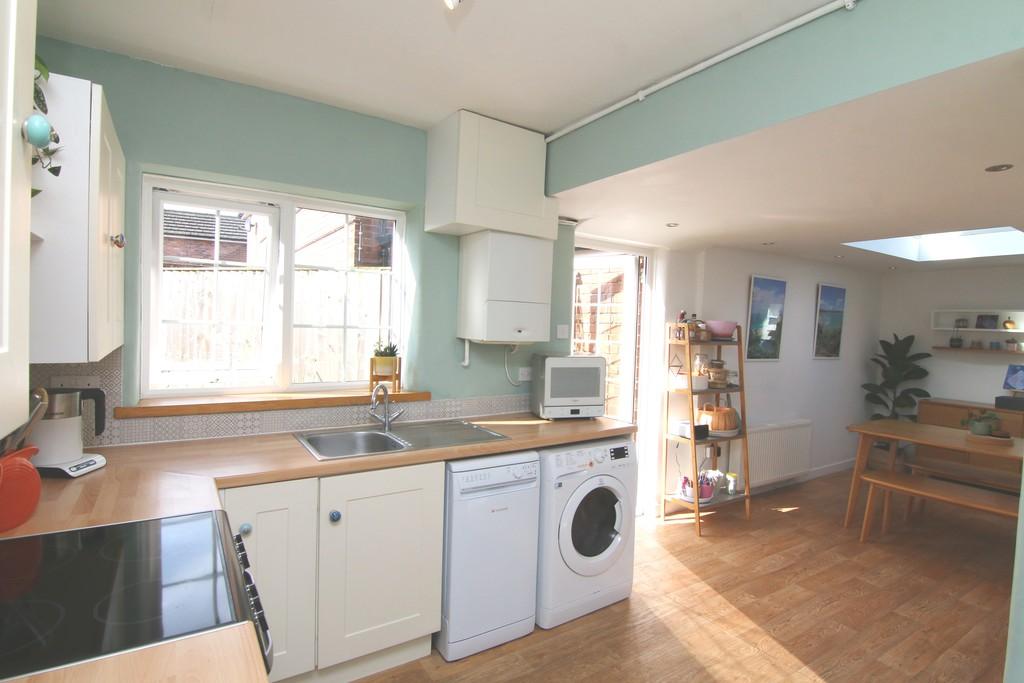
x,y
721,329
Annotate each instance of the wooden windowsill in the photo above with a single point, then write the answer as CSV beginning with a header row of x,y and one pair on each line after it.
x,y
244,403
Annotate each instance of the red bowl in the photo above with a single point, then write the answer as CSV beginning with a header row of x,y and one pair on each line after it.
x,y
20,488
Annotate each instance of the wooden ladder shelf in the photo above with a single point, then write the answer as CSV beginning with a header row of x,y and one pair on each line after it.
x,y
679,359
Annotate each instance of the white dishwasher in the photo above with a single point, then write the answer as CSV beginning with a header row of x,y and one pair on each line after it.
x,y
490,553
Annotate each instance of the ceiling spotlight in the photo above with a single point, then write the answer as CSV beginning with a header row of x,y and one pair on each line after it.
x,y
452,4
892,267
837,256
671,225
767,244
999,168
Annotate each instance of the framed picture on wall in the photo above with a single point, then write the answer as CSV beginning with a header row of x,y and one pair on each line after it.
x,y
764,321
828,321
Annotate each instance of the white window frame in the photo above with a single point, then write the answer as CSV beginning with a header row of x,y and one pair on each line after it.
x,y
278,336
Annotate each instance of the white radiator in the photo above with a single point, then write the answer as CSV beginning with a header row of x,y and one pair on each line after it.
x,y
779,451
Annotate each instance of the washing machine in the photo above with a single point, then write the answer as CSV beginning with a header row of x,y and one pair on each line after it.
x,y
587,522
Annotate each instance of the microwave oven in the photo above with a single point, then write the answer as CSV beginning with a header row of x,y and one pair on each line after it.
x,y
567,386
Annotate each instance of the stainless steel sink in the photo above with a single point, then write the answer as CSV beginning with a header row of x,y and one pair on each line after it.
x,y
356,441
348,444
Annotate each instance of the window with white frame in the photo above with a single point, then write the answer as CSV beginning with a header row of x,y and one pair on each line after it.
x,y
246,290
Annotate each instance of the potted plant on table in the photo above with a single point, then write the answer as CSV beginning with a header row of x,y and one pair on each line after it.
x,y
981,422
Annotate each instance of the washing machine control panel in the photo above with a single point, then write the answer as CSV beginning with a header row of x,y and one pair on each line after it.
x,y
582,459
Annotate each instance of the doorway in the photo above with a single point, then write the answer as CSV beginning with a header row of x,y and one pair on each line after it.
x,y
607,309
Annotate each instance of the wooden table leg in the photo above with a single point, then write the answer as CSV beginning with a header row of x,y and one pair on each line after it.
x,y
863,450
887,504
869,513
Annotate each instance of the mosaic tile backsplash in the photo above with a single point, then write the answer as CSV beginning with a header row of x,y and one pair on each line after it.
x,y
149,429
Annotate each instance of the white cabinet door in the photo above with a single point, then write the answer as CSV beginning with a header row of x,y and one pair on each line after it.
x,y
17,50
282,552
77,268
380,562
106,233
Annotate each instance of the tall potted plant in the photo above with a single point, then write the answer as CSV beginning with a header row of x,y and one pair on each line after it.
x,y
899,366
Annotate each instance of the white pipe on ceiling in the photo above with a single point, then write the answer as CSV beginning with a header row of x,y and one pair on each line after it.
x,y
708,63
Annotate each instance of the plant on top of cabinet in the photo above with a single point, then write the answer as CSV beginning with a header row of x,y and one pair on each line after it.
x,y
44,155
898,366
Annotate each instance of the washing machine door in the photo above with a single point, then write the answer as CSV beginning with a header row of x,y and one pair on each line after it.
x,y
593,533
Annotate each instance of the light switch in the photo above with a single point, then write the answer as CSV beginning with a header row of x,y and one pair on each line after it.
x,y
562,331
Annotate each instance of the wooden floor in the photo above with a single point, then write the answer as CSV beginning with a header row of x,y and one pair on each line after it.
x,y
788,596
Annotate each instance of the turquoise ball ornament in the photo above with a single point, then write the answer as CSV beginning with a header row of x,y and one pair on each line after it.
x,y
37,130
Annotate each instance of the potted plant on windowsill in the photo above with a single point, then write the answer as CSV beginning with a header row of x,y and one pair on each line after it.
x,y
385,365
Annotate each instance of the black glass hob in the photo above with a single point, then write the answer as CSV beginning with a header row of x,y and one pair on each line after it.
x,y
75,595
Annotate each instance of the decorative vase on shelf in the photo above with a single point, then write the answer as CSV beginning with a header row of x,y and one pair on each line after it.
x,y
1008,324
956,341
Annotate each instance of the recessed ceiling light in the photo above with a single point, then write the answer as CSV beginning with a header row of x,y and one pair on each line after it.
x,y
452,4
892,267
767,244
999,168
671,225
837,256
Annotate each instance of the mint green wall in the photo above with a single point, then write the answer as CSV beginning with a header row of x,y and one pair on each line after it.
x,y
842,56
177,122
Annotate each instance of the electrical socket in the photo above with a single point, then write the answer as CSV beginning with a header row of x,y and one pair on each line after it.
x,y
562,331
525,374
75,382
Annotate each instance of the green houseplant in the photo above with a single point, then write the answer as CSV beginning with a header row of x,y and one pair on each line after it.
x,y
384,358
899,366
982,422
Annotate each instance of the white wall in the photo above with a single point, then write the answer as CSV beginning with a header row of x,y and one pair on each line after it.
x,y
715,284
907,300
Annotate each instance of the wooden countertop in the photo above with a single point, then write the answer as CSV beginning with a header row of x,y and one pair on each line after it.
x,y
940,437
200,657
145,481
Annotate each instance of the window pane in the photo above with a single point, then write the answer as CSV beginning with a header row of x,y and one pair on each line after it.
x,y
342,294
213,285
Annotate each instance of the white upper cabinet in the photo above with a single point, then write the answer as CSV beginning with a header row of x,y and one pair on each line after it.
x,y
484,174
77,289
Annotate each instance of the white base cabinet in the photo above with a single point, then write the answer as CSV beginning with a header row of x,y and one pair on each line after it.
x,y
348,594
278,526
77,277
380,560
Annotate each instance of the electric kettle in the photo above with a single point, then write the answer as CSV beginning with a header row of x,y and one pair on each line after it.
x,y
59,434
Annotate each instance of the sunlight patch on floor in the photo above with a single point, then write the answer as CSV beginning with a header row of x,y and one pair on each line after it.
x,y
750,652
785,509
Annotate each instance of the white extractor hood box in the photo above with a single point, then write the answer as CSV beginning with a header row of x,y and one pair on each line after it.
x,y
484,174
504,288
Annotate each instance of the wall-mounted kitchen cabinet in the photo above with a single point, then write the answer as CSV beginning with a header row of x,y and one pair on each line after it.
x,y
381,536
77,262
484,174
278,527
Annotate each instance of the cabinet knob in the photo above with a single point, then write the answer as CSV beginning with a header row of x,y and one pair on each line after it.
x,y
334,516
245,529
118,240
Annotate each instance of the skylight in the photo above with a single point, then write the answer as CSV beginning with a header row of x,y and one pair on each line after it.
x,y
947,246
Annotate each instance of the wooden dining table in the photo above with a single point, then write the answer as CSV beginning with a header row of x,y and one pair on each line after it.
x,y
895,431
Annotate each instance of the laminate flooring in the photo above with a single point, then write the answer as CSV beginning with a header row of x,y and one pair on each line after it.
x,y
788,596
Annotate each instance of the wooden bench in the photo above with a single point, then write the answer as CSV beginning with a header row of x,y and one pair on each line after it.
x,y
1003,480
932,489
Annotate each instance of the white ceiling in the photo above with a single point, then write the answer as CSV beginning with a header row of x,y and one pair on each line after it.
x,y
901,162
537,63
